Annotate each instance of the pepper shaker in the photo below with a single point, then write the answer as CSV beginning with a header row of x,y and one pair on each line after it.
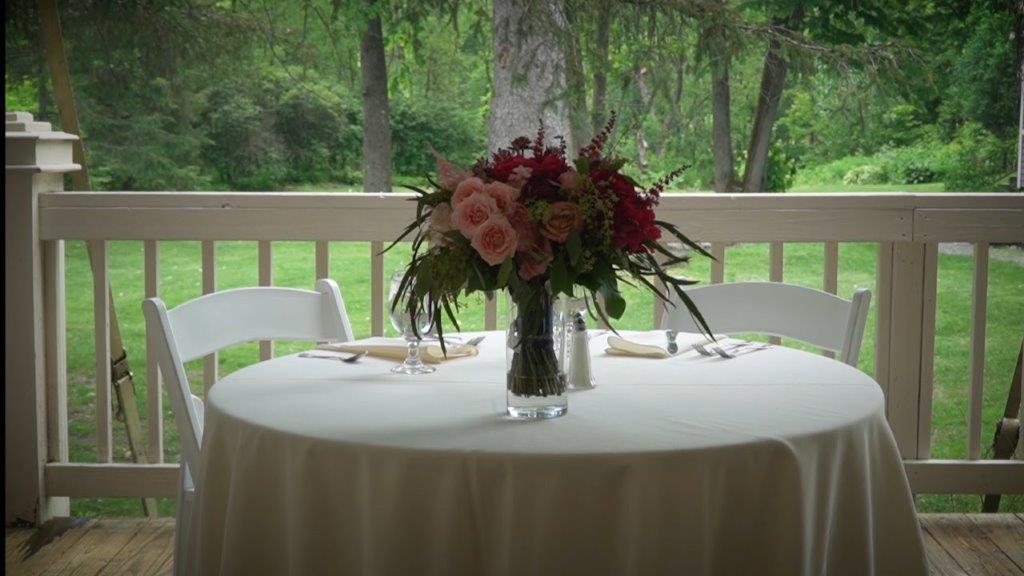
x,y
580,376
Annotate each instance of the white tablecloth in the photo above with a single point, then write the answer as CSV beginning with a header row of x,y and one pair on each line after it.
x,y
777,462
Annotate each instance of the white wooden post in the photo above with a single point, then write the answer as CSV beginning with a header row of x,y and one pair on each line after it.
x,y
904,317
36,159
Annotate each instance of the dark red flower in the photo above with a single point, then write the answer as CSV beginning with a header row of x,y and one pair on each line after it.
x,y
634,217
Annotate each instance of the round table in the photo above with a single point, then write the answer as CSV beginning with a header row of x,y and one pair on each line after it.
x,y
775,462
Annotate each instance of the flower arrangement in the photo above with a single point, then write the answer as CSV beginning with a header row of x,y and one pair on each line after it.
x,y
526,220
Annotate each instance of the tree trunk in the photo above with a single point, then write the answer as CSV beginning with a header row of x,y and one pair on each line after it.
x,y
672,126
529,71
604,20
42,85
773,80
376,118
576,93
721,121
644,97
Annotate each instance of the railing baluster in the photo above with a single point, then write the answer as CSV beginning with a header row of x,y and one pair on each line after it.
x,y
154,398
775,272
323,259
491,311
101,327
830,280
209,287
883,311
718,264
55,329
376,289
979,305
266,258
930,286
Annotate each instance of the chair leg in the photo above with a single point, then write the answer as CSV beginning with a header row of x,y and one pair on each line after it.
x,y
182,527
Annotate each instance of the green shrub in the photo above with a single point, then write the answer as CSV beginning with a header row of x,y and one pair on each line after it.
x,y
242,146
917,164
143,152
781,170
419,125
830,172
320,135
975,160
865,174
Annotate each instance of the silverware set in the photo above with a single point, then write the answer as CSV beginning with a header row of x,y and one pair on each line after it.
x,y
347,359
457,341
352,359
728,350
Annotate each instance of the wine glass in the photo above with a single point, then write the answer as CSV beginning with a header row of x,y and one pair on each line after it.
x,y
403,322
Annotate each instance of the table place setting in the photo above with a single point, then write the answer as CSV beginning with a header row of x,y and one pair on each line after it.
x,y
397,349
648,345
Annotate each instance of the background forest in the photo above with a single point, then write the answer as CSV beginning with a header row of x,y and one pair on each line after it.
x,y
255,94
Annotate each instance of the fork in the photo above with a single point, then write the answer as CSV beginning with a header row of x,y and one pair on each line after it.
x,y
710,349
730,351
350,360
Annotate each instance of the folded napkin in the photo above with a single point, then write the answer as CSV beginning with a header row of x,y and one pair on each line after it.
x,y
396,349
651,344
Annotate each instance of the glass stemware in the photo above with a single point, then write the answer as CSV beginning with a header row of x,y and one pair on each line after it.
x,y
403,322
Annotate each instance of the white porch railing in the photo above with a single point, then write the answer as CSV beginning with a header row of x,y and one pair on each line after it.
x,y
40,217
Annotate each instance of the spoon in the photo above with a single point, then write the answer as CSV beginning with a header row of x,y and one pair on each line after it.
x,y
350,360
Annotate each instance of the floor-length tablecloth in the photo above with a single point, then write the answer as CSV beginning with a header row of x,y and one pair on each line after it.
x,y
777,462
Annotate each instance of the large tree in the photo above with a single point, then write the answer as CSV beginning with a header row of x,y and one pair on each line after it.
x,y
530,58
376,114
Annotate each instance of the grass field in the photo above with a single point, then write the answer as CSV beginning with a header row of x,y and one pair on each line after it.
x,y
237,266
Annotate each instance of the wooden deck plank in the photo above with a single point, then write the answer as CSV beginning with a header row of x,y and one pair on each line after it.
x,y
955,544
968,544
97,547
1006,531
940,562
14,540
48,554
147,551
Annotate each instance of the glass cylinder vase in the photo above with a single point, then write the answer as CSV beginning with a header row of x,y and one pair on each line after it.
x,y
535,381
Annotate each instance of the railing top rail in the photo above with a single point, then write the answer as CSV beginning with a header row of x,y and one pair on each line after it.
x,y
697,200
358,216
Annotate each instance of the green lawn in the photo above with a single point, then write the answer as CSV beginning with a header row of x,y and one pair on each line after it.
x,y
237,266
840,187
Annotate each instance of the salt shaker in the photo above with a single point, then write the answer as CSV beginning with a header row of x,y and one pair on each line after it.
x,y
580,377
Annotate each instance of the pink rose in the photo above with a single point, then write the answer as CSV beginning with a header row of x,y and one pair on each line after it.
x,y
495,240
465,189
535,262
448,176
472,212
568,179
519,176
503,194
562,218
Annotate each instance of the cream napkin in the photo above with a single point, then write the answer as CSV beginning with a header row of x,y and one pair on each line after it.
x,y
396,349
652,344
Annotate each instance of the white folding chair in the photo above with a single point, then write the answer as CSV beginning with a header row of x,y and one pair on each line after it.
x,y
812,316
209,323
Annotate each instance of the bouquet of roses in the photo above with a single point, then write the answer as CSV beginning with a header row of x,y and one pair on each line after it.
x,y
526,220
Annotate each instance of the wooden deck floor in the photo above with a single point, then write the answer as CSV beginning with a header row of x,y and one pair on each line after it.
x,y
972,544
